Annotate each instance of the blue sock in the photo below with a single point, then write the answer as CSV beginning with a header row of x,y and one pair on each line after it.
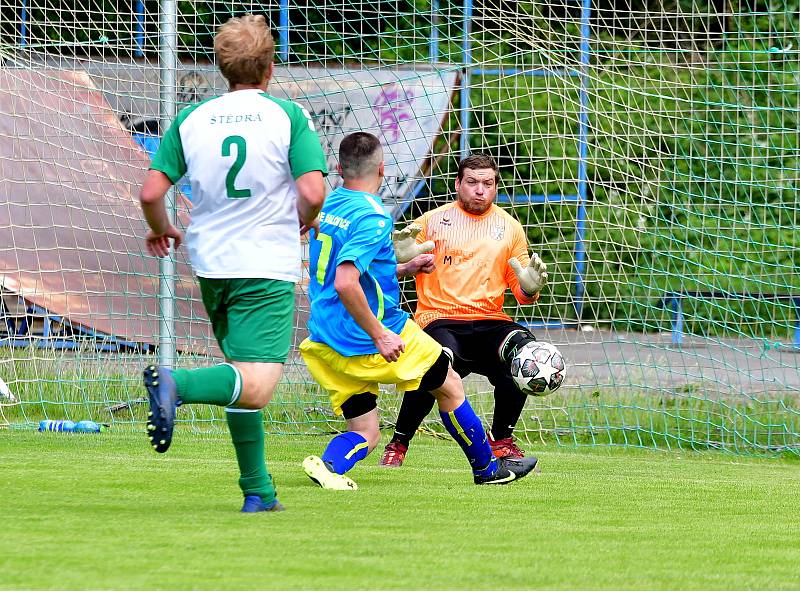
x,y
344,451
466,428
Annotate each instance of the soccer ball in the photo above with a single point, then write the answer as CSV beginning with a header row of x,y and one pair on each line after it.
x,y
538,368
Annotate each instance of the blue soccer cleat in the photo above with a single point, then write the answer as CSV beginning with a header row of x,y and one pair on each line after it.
x,y
255,504
163,395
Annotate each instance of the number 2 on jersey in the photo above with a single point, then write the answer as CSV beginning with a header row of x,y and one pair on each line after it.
x,y
236,167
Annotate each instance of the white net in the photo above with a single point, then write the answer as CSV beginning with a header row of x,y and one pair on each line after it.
x,y
651,153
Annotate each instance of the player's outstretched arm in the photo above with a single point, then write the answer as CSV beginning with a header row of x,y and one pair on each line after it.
x,y
347,285
405,243
531,278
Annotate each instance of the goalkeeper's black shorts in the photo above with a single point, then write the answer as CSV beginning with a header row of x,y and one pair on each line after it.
x,y
475,344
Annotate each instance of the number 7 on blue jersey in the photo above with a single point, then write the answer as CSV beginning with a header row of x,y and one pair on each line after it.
x,y
324,255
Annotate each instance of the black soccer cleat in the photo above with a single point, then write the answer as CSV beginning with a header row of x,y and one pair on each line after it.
x,y
163,395
510,469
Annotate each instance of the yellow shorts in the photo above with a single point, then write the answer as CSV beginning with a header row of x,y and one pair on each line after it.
x,y
344,377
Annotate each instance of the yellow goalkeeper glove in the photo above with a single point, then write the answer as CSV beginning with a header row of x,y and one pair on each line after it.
x,y
533,277
405,243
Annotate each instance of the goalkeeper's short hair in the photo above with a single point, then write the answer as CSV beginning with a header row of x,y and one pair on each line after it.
x,y
477,161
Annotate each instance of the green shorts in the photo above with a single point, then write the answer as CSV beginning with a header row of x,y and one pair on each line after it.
x,y
252,318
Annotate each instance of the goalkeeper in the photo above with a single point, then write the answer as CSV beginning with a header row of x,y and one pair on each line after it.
x,y
480,251
360,338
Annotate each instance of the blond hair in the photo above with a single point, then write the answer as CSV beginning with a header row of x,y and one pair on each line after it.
x,y
244,48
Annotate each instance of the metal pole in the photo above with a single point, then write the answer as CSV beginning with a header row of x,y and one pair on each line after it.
x,y
23,25
139,28
796,302
677,321
433,46
283,31
168,66
464,94
583,146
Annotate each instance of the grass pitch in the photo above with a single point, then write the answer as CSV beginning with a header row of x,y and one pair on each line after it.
x,y
105,512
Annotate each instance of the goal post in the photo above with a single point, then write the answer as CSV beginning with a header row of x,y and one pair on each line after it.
x,y
650,153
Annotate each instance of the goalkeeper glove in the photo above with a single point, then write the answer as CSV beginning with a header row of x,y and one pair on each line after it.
x,y
533,277
405,243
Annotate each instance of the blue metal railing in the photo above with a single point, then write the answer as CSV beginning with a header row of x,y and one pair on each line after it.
x,y
673,300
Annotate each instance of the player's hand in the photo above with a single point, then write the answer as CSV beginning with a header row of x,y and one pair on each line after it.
x,y
158,244
533,277
405,243
423,263
304,228
390,345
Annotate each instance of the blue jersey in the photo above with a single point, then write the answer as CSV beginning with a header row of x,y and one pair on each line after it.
x,y
353,228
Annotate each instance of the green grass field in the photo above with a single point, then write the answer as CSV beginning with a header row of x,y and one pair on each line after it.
x,y
105,512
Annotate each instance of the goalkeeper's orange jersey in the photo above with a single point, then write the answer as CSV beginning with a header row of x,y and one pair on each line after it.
x,y
472,271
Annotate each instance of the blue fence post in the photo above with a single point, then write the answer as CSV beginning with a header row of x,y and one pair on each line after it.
x,y
796,301
433,45
283,31
677,321
583,148
464,95
139,28
23,24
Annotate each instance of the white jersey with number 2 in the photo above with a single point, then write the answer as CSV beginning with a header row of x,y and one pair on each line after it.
x,y
241,152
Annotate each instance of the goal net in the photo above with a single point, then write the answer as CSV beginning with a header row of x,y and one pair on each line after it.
x,y
650,153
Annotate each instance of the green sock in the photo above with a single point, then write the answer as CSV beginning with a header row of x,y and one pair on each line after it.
x,y
220,385
247,433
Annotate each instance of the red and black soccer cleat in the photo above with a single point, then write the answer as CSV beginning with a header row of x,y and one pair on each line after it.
x,y
393,455
505,448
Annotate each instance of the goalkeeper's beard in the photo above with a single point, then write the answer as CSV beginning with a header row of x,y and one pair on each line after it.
x,y
475,208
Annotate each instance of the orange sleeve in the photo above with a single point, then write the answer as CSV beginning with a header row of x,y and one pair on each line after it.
x,y
519,250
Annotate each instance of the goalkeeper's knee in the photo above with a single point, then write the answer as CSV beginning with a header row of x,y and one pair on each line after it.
x,y
513,343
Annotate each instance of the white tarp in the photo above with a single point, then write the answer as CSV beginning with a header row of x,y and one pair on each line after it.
x,y
404,107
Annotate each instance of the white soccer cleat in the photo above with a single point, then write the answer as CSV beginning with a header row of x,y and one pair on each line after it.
x,y
5,393
317,471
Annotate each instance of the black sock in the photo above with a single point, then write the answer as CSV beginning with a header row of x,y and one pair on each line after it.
x,y
415,407
508,405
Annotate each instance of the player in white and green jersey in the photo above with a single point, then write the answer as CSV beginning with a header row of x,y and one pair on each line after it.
x,y
256,169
